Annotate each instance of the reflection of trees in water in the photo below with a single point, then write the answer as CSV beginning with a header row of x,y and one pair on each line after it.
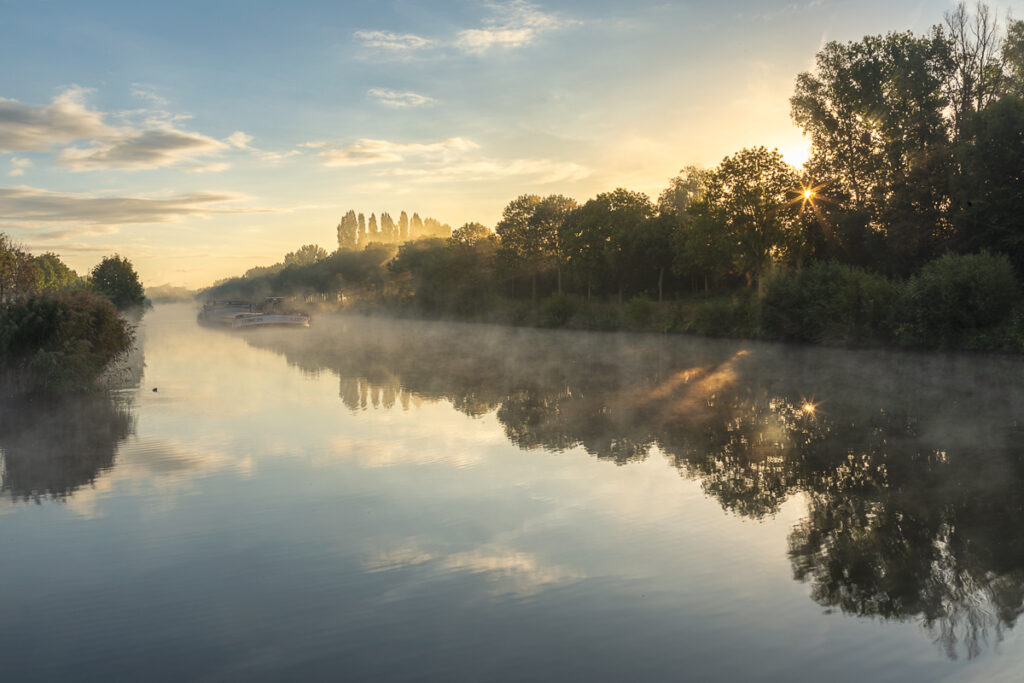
x,y
53,448
911,464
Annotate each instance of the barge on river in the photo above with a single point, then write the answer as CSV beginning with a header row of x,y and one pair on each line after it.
x,y
246,315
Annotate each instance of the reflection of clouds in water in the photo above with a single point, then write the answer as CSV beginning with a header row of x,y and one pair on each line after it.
x,y
506,569
379,453
159,471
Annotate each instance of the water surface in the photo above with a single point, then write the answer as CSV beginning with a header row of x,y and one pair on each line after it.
x,y
398,500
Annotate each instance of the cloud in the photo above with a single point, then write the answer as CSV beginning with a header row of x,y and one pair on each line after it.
x,y
30,206
512,24
515,24
143,139
368,151
399,100
215,167
19,165
240,140
398,42
145,92
36,129
139,150
445,161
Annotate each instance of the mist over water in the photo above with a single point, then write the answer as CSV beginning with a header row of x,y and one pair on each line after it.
x,y
399,500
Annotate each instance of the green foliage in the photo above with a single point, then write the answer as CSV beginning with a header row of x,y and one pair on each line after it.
x,y
469,234
638,312
557,310
447,276
991,186
18,270
305,255
115,278
874,112
827,302
62,341
599,238
956,299
724,317
529,234
1013,57
52,275
348,231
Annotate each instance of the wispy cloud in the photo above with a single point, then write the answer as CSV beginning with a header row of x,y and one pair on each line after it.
x,y
368,151
454,159
514,24
148,93
400,100
386,40
241,140
19,165
139,150
34,207
67,118
143,139
511,24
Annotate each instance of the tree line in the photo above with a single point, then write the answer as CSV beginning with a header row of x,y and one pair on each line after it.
x,y
354,231
915,178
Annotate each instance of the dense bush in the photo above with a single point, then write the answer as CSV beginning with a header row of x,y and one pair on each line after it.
x,y
728,317
956,299
557,310
638,311
59,341
827,302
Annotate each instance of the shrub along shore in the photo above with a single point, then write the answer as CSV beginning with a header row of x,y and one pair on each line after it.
x,y
59,332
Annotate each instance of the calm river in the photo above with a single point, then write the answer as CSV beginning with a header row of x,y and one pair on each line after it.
x,y
386,500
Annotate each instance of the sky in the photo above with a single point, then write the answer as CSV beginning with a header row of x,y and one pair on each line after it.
x,y
199,139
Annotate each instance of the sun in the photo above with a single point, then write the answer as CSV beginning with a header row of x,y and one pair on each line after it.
x,y
809,193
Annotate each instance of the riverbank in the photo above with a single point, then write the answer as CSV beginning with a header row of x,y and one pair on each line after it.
x,y
968,303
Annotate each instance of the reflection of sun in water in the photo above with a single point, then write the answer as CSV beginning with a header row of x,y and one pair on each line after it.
x,y
809,193
808,408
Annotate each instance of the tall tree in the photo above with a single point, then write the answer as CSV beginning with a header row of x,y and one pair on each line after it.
x,y
1013,58
874,112
750,195
992,184
348,231
529,235
387,228
975,74
403,226
416,227
115,278
599,238
362,230
682,191
372,232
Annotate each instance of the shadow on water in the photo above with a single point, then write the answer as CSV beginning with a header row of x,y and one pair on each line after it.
x,y
912,465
